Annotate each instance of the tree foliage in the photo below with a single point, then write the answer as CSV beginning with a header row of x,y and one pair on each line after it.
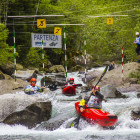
x,y
104,42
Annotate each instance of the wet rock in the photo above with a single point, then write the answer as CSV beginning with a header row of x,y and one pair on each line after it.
x,y
34,75
26,74
115,76
107,63
37,112
7,68
109,91
80,60
76,68
138,95
85,89
129,87
2,76
133,80
8,86
53,123
58,79
56,69
135,113
91,75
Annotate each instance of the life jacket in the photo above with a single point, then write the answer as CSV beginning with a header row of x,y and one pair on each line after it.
x,y
33,89
94,102
68,84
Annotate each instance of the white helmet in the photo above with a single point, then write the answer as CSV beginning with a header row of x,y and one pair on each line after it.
x,y
137,33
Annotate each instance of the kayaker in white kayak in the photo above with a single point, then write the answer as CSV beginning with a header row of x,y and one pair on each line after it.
x,y
92,101
32,88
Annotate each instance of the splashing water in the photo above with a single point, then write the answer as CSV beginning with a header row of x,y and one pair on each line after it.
x,y
126,129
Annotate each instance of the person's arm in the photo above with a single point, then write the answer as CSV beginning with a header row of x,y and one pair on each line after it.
x,y
40,89
99,95
135,42
27,90
82,103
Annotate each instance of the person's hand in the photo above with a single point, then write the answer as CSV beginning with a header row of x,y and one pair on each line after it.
x,y
82,109
43,87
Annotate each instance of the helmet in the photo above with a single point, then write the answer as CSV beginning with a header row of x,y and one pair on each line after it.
x,y
137,33
96,88
33,80
71,79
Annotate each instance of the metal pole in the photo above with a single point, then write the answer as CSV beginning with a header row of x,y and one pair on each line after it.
x,y
85,58
65,51
14,49
43,61
122,64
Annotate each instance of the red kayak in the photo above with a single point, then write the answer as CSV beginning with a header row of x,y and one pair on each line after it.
x,y
69,91
97,116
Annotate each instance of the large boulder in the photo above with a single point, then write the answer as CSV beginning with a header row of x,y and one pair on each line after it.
x,y
2,76
7,86
77,68
59,79
7,68
56,69
135,113
114,76
80,60
37,112
14,106
26,74
109,91
92,75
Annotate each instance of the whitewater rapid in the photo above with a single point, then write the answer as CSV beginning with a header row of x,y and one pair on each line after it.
x,y
126,129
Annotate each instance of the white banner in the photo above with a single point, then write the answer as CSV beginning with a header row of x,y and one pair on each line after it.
x,y
49,40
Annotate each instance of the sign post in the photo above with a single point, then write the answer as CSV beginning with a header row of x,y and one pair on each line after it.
x,y
109,20
14,50
57,30
41,23
65,51
85,57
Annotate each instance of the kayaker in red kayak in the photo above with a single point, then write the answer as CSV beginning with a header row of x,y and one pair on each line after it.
x,y
92,101
71,83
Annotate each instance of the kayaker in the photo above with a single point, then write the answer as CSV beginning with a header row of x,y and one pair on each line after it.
x,y
92,101
32,88
70,83
137,41
111,66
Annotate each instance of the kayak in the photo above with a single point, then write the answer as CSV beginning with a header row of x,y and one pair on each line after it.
x,y
97,116
69,91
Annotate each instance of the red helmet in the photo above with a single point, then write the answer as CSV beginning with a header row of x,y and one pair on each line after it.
x,y
96,88
33,80
71,79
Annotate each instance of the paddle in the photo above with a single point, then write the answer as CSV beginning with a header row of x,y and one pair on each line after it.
x,y
75,123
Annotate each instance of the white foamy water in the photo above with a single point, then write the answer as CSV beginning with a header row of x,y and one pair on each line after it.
x,y
126,128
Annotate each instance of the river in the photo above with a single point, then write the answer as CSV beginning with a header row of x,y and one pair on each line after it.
x,y
126,129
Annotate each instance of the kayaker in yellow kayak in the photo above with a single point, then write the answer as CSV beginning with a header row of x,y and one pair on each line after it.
x,y
92,101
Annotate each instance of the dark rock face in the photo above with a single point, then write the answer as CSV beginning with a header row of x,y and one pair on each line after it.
x,y
2,76
31,115
59,79
53,123
135,113
138,95
76,68
7,68
34,75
